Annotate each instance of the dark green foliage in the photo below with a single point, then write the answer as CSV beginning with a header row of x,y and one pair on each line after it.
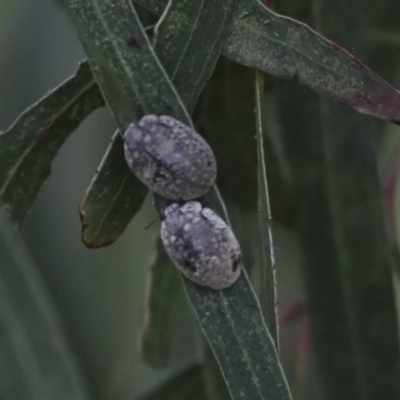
x,y
321,155
28,147
113,198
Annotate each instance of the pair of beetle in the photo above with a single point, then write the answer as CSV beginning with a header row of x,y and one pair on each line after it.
x,y
173,160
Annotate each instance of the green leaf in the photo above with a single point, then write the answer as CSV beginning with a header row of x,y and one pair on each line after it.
x,y
189,66
231,319
120,54
287,48
29,146
185,385
189,55
35,361
164,294
112,199
268,289
187,51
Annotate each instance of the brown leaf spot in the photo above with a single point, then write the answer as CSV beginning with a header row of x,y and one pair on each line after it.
x,y
133,43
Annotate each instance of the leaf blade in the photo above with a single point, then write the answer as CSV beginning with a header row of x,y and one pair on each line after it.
x,y
187,52
28,147
183,64
231,320
197,295
112,199
283,47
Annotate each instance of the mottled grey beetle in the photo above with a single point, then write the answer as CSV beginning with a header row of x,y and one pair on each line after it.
x,y
201,245
169,157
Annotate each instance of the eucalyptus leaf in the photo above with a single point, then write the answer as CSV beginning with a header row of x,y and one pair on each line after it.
x,y
36,362
231,319
120,54
29,146
113,198
187,51
286,48
232,322
188,55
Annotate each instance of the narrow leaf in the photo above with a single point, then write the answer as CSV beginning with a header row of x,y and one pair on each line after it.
x,y
231,319
186,385
112,199
120,54
268,287
29,146
35,361
287,48
164,294
189,55
187,51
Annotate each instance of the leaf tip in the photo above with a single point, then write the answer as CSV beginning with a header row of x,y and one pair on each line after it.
x,y
89,238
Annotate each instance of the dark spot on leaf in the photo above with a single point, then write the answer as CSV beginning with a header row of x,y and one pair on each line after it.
x,y
133,43
395,121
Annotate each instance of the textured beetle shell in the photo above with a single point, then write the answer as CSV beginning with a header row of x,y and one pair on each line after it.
x,y
201,245
170,158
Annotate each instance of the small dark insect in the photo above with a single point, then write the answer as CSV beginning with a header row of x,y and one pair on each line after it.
x,y
169,157
201,245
